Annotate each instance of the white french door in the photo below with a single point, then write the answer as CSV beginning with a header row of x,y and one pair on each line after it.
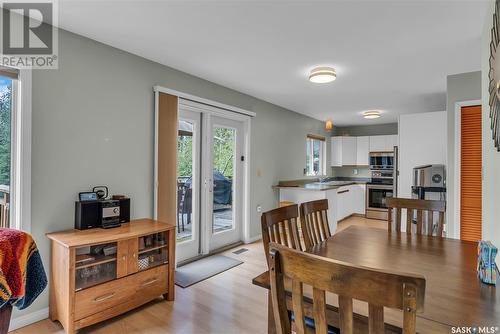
x,y
188,184
210,174
224,179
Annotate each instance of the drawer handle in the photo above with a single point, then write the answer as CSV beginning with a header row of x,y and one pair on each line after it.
x,y
150,282
104,297
343,191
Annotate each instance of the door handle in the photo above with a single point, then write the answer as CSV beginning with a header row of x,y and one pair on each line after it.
x,y
104,297
343,191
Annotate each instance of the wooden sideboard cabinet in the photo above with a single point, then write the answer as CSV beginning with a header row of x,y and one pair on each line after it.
x,y
98,274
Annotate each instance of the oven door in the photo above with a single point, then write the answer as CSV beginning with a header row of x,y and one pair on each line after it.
x,y
376,196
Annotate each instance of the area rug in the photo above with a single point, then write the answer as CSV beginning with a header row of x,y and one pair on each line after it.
x,y
200,270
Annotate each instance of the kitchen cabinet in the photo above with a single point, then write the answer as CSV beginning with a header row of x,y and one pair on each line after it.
x,y
392,141
344,203
362,151
383,143
355,151
350,200
336,155
358,198
344,151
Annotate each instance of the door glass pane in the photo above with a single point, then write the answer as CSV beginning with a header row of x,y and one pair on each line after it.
x,y
185,163
5,148
224,149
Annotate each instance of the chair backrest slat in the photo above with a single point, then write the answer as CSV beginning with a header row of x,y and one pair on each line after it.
x,y
378,288
281,226
319,311
314,221
298,306
409,218
419,221
430,222
420,206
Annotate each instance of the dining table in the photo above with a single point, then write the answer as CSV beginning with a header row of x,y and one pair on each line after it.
x,y
455,298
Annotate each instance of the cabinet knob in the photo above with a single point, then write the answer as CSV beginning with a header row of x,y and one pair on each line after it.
x,y
124,257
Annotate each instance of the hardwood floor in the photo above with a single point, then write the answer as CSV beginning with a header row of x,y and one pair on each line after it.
x,y
225,303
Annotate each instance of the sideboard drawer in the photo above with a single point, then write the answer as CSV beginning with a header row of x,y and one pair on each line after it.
x,y
100,297
151,282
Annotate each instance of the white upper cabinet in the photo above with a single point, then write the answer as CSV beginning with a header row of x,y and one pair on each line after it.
x,y
392,141
349,151
377,143
355,151
362,151
336,151
343,151
383,143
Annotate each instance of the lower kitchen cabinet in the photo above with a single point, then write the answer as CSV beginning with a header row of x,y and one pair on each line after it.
x,y
358,197
350,200
344,203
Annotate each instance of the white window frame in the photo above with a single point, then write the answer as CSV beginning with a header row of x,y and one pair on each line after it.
x,y
322,156
20,200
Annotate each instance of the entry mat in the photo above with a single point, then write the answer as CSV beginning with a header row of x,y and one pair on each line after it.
x,y
200,270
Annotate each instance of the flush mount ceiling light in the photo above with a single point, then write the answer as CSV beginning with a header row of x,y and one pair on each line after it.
x,y
371,114
322,74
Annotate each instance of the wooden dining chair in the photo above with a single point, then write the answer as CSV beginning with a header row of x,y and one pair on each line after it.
x,y
281,226
314,222
376,287
422,208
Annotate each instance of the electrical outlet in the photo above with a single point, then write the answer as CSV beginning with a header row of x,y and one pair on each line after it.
x,y
355,171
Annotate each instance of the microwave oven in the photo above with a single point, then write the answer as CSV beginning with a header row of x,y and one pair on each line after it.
x,y
381,160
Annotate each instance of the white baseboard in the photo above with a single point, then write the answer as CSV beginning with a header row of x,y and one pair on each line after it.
x,y
253,239
28,319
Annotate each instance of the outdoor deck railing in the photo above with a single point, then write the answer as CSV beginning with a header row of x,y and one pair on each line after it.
x,y
4,205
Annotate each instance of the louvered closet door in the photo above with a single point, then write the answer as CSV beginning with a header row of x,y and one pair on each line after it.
x,y
470,174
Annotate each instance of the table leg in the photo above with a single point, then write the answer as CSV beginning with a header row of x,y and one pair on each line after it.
x,y
271,325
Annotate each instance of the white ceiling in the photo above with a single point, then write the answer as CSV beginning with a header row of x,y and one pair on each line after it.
x,y
389,55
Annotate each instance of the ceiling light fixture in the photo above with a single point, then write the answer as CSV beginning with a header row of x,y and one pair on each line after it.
x,y
371,114
328,124
322,74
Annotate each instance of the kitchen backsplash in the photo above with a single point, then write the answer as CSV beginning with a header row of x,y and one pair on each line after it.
x,y
349,172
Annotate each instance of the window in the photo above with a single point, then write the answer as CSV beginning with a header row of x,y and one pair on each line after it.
x,y
5,147
15,148
315,155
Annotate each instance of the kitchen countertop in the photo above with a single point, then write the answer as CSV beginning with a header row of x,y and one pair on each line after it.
x,y
319,186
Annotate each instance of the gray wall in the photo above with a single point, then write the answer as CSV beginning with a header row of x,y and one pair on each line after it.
x,y
364,130
93,124
460,87
491,157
